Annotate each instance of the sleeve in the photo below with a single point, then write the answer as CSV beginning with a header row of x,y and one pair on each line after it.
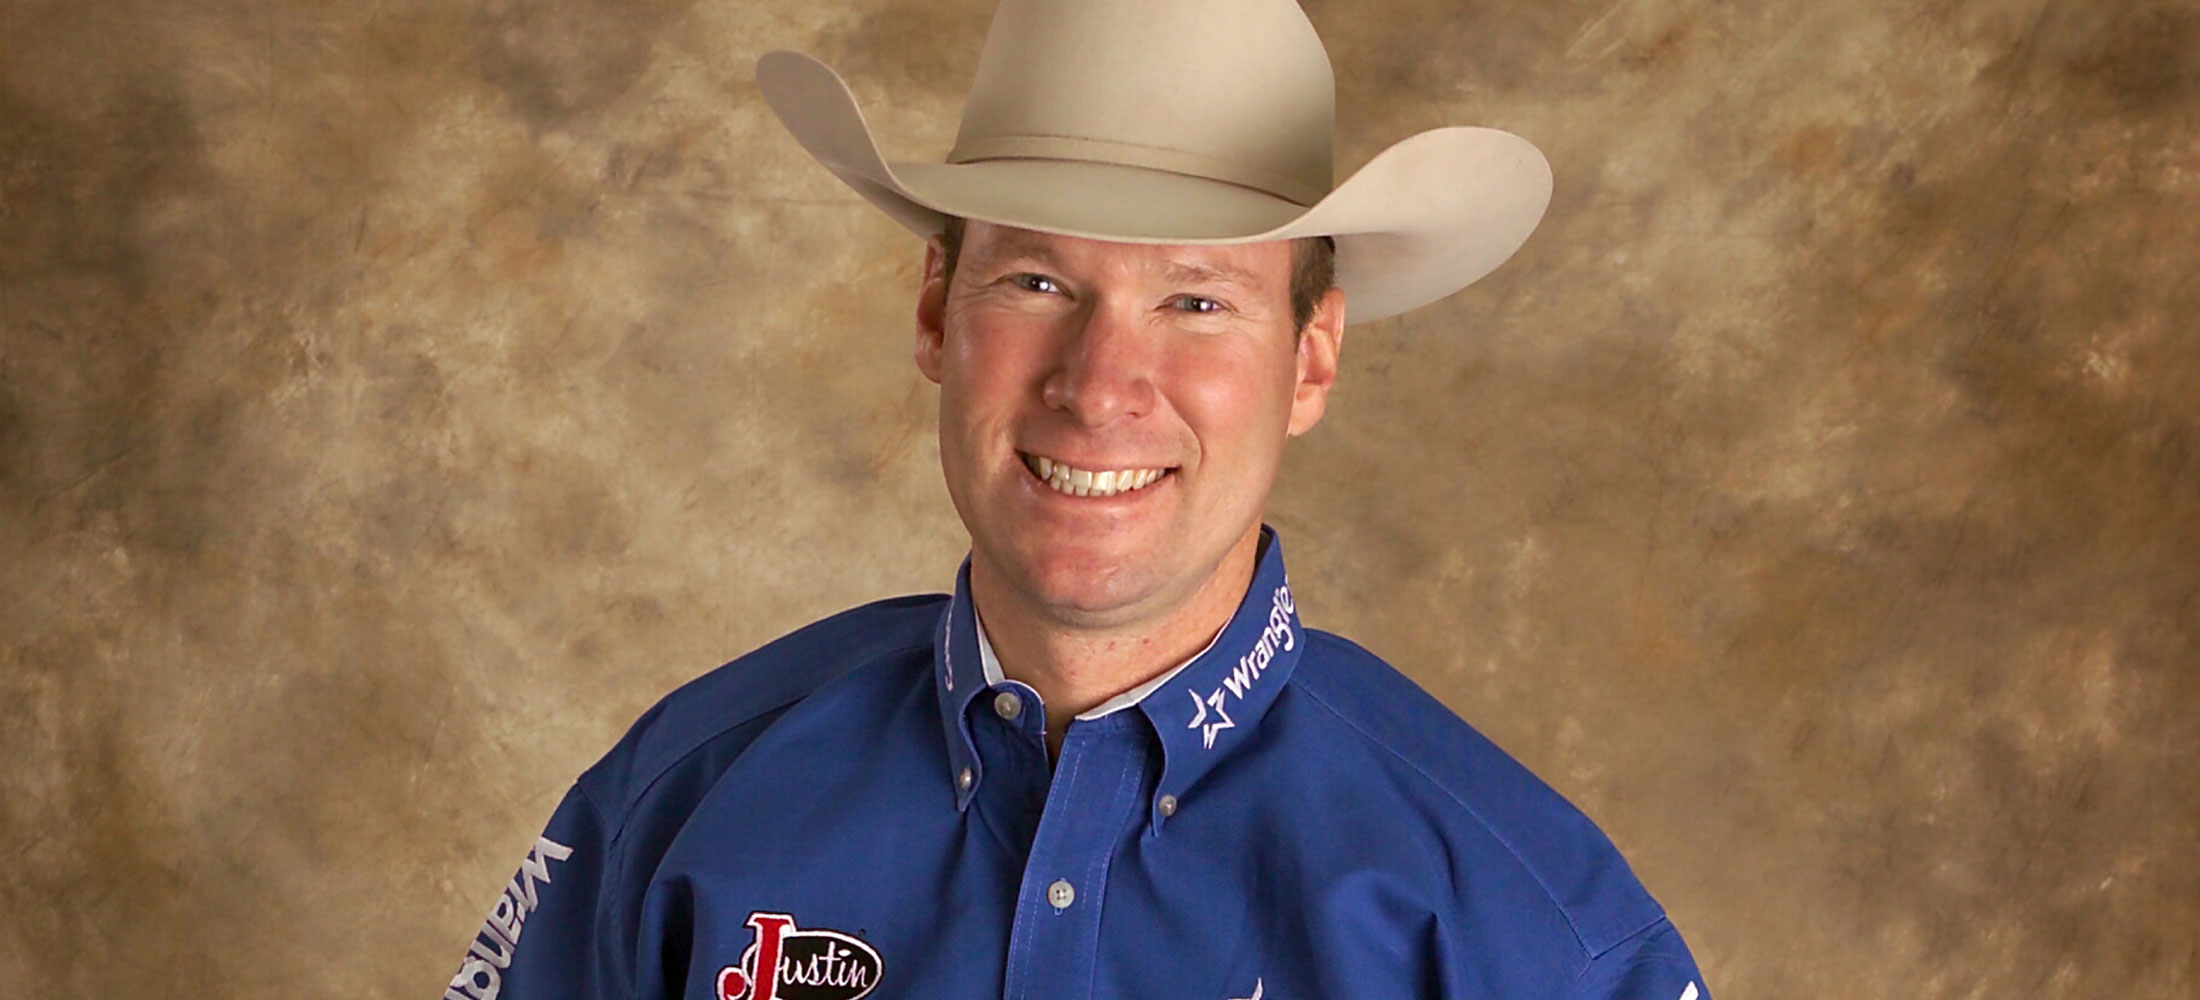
x,y
1652,965
544,936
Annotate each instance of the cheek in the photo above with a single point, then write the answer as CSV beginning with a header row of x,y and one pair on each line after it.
x,y
987,375
1222,404
986,354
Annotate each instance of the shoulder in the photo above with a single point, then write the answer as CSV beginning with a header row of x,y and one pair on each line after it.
x,y
1479,792
711,718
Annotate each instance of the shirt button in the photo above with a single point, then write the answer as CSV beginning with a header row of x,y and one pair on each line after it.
x,y
964,779
1007,705
1168,805
1061,894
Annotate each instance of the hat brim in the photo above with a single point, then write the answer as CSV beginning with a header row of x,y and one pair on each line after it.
x,y
1426,217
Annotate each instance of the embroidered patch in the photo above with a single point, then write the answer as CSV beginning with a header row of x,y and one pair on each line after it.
x,y
815,964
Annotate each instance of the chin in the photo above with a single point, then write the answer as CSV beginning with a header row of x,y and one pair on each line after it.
x,y
1092,587
1084,584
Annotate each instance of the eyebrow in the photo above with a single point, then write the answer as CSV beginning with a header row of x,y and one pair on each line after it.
x,y
1187,273
1019,246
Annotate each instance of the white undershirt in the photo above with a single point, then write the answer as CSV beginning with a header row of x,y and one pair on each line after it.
x,y
993,674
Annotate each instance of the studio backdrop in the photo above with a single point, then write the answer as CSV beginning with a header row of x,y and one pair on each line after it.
x,y
398,397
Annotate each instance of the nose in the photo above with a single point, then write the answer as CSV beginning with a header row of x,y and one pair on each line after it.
x,y
1106,368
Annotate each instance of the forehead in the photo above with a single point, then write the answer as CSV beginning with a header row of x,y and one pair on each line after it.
x,y
1258,264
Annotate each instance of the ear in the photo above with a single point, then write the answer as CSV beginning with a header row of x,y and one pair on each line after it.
x,y
932,310
1319,345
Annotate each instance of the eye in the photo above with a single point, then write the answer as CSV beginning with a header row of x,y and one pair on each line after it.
x,y
1035,283
1198,304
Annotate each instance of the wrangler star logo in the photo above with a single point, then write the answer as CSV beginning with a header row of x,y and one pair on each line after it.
x,y
1222,718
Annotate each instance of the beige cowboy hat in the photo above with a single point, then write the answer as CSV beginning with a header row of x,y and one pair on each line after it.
x,y
1186,122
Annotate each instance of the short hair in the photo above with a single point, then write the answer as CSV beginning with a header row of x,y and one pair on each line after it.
x,y
1313,269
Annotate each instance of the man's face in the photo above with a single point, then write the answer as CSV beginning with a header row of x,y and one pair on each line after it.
x,y
1161,381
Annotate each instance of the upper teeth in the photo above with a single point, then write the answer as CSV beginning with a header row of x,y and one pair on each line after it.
x,y
1086,483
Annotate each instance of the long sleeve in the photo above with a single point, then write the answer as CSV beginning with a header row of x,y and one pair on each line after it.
x,y
1653,965
544,937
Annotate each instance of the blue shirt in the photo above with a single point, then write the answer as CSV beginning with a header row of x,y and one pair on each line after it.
x,y
857,810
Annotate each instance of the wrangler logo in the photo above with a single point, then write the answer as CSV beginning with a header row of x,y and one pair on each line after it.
x,y
482,975
1280,634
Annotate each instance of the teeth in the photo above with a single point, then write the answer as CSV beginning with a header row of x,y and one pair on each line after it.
x,y
1086,483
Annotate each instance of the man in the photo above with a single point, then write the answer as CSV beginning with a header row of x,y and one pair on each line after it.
x,y
1112,764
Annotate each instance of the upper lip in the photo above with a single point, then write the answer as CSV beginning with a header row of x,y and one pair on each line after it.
x,y
1096,465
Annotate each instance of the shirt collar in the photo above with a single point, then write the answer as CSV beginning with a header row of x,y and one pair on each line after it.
x,y
1203,710
1214,706
958,674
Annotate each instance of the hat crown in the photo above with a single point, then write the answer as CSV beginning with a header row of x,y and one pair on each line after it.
x,y
1238,91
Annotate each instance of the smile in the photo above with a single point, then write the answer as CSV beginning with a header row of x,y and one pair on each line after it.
x,y
1077,482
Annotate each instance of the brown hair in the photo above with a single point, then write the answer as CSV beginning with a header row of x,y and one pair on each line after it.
x,y
1313,269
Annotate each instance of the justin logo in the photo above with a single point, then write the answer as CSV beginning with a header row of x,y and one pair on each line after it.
x,y
800,964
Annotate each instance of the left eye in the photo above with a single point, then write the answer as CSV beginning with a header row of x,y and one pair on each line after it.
x,y
1197,304
1035,283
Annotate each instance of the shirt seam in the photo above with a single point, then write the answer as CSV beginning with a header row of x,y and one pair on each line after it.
x,y
1573,989
1027,909
595,810
615,842
1126,787
605,906
627,810
1580,941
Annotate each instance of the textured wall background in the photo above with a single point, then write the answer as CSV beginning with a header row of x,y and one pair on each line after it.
x,y
397,397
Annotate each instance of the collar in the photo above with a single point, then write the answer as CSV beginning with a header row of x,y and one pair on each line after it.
x,y
1203,711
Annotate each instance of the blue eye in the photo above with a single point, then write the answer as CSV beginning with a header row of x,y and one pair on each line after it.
x,y
1198,304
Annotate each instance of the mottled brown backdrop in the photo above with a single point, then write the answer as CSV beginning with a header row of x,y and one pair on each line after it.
x,y
398,396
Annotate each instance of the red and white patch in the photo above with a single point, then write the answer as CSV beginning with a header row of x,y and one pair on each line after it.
x,y
815,964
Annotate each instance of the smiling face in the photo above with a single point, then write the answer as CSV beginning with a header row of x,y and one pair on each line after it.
x,y
1112,415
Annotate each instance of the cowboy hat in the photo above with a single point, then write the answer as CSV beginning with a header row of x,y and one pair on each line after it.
x,y
1185,122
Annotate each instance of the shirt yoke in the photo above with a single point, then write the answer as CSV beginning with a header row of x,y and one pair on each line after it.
x,y
751,688
1579,870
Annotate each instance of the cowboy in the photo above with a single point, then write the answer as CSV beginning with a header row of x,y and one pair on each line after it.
x,y
1113,763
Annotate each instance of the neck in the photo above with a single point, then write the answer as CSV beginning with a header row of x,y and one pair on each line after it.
x,y
1076,664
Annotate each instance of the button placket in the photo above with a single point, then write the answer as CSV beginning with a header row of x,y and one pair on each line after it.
x,y
1054,944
